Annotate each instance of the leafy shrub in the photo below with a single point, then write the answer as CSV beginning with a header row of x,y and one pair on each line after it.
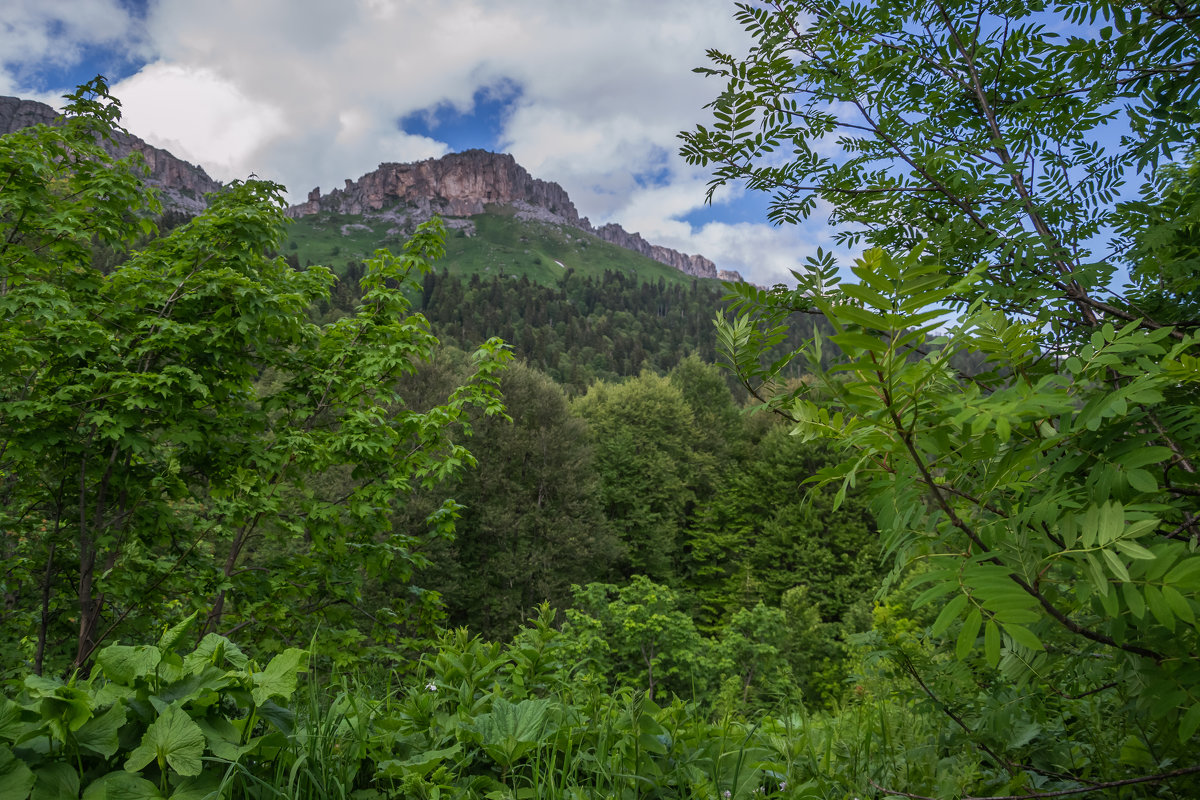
x,y
150,722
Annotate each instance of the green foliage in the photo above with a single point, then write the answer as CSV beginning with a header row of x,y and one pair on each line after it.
x,y
1042,495
1161,239
978,134
491,720
643,433
500,245
637,635
531,522
1048,502
719,428
477,720
162,419
764,532
577,329
582,328
147,723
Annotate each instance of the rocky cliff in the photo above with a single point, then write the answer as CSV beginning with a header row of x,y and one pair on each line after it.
x,y
463,184
692,265
181,185
457,185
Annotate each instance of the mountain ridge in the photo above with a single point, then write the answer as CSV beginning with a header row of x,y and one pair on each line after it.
x,y
456,186
181,184
463,184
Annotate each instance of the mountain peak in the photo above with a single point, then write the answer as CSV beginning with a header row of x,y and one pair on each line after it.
x,y
455,185
463,184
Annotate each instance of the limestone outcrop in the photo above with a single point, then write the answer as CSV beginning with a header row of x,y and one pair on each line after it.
x,y
699,266
456,185
181,185
464,184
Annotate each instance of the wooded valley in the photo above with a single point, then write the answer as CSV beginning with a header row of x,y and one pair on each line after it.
x,y
921,526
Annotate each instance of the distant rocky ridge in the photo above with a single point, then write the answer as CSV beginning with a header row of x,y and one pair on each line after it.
x,y
181,185
464,184
455,186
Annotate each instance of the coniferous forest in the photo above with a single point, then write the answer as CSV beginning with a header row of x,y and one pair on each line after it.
x,y
922,526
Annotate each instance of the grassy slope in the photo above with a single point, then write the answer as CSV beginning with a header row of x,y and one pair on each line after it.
x,y
501,244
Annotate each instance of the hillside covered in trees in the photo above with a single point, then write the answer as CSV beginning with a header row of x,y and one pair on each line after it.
x,y
275,530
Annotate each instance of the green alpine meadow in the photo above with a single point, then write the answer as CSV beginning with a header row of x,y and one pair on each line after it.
x,y
354,501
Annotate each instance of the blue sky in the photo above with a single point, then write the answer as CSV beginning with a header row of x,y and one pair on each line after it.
x,y
479,126
312,92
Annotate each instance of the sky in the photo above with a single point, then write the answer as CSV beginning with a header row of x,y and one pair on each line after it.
x,y
589,94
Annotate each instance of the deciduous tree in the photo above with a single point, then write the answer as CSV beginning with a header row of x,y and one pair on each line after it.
x,y
160,420
1051,500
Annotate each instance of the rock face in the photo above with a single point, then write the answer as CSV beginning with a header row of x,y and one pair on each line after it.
x,y
181,185
699,266
16,113
462,184
457,185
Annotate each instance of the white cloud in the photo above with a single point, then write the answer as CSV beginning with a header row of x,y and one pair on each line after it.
x,y
199,116
763,254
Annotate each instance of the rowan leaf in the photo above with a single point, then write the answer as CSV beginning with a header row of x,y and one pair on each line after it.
x,y
1116,565
968,634
991,643
1023,636
948,614
1134,599
1189,723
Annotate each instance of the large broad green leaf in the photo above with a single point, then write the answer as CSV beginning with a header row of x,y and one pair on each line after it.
x,y
16,779
216,650
419,765
56,782
99,734
284,719
63,708
11,726
170,640
223,738
173,739
510,730
199,686
279,678
121,786
201,787
125,664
